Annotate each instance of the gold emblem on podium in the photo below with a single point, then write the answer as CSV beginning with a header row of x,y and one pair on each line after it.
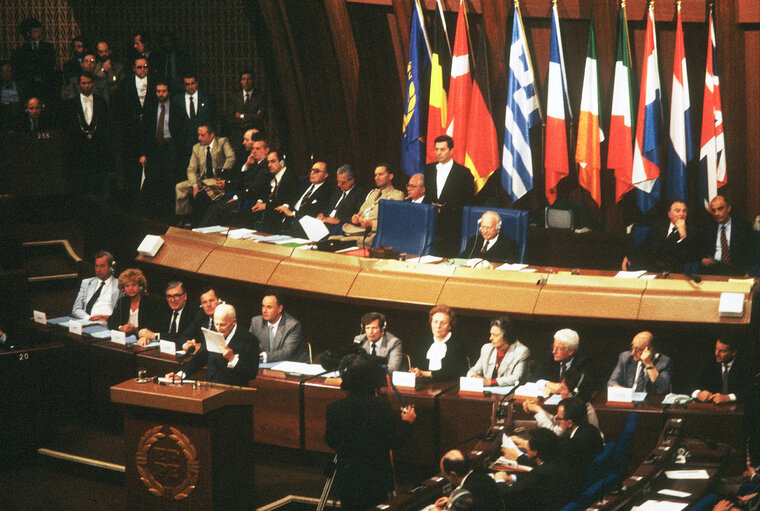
x,y
167,463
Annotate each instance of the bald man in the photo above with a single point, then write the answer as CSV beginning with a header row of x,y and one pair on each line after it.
x,y
642,367
490,243
456,468
415,189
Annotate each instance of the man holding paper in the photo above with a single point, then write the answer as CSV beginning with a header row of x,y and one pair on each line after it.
x,y
641,368
231,355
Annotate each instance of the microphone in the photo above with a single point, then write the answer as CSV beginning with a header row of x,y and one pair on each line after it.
x,y
435,239
691,276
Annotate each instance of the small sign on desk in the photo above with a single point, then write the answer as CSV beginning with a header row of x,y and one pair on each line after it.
x,y
39,317
75,327
118,337
404,379
474,385
167,347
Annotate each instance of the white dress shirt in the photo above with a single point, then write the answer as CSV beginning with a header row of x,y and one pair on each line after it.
x,y
87,107
442,171
141,84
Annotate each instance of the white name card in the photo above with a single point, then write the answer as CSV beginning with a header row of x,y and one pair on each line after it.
x,y
167,347
731,305
75,327
40,317
150,245
404,379
118,337
470,384
620,394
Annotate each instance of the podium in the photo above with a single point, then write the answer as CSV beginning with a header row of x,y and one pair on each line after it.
x,y
187,448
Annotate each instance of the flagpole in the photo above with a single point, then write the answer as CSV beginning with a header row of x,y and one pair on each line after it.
x,y
469,39
439,8
424,30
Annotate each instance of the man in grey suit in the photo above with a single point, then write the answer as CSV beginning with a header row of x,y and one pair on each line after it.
x,y
376,340
642,368
212,157
278,332
97,295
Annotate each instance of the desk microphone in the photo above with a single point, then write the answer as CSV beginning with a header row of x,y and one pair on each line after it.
x,y
435,239
696,278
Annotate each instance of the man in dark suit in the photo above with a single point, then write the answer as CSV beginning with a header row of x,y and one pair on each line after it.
x,y
162,142
491,244
237,364
73,68
278,332
34,63
641,368
246,109
563,356
282,189
728,377
88,133
671,243
449,185
34,117
728,246
547,487
313,199
173,319
456,468
192,336
199,108
415,189
346,199
581,442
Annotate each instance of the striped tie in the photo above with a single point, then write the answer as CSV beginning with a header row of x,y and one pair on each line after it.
x,y
725,253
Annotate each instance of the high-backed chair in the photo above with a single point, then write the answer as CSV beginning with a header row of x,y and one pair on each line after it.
x,y
514,223
406,226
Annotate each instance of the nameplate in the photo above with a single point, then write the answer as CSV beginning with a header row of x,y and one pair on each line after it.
x,y
40,317
150,245
333,381
404,379
470,384
271,373
167,347
118,337
75,327
620,395
731,305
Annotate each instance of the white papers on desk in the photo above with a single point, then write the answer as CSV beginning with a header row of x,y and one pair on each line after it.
x,y
660,505
531,389
103,334
731,305
674,493
176,380
287,366
629,274
242,234
687,474
63,321
427,259
214,341
211,229
506,441
676,399
554,399
512,267
284,238
315,229
500,391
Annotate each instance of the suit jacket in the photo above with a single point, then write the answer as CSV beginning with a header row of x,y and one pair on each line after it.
x,y
662,254
96,136
131,113
349,206
177,127
369,208
316,204
205,113
485,494
741,380
505,250
244,345
193,330
253,111
147,315
453,365
362,429
458,192
86,290
549,370
24,123
164,318
389,346
625,372
547,487
284,193
37,69
580,450
512,369
287,343
741,246
221,154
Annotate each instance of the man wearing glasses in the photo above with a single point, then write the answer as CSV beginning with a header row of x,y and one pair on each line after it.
x,y
313,198
641,368
99,84
173,320
563,356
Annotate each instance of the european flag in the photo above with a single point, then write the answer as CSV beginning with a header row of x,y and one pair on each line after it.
x,y
417,77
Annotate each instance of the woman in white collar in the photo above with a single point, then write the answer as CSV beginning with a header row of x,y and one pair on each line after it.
x,y
446,358
502,361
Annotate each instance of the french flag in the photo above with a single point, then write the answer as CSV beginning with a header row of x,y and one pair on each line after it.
x,y
646,152
681,151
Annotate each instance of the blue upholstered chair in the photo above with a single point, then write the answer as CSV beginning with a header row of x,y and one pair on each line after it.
x,y
514,223
406,226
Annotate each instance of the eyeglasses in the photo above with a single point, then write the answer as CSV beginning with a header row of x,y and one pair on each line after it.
x,y
142,67
316,171
175,296
556,418
89,60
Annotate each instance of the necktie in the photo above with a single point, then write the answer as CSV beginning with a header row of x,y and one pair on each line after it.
x,y
192,109
640,382
373,352
725,253
94,298
271,337
209,163
160,128
562,369
724,388
211,323
173,326
485,247
245,101
674,235
306,197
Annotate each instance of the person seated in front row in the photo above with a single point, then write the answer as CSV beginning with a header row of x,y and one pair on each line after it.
x,y
547,487
458,470
727,377
237,364
191,337
568,388
377,341
728,243
563,356
172,319
642,368
278,332
97,295
490,243
135,309
502,362
446,356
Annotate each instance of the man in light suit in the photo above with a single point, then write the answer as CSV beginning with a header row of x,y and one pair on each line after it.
x,y
376,340
279,332
642,368
212,156
97,295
